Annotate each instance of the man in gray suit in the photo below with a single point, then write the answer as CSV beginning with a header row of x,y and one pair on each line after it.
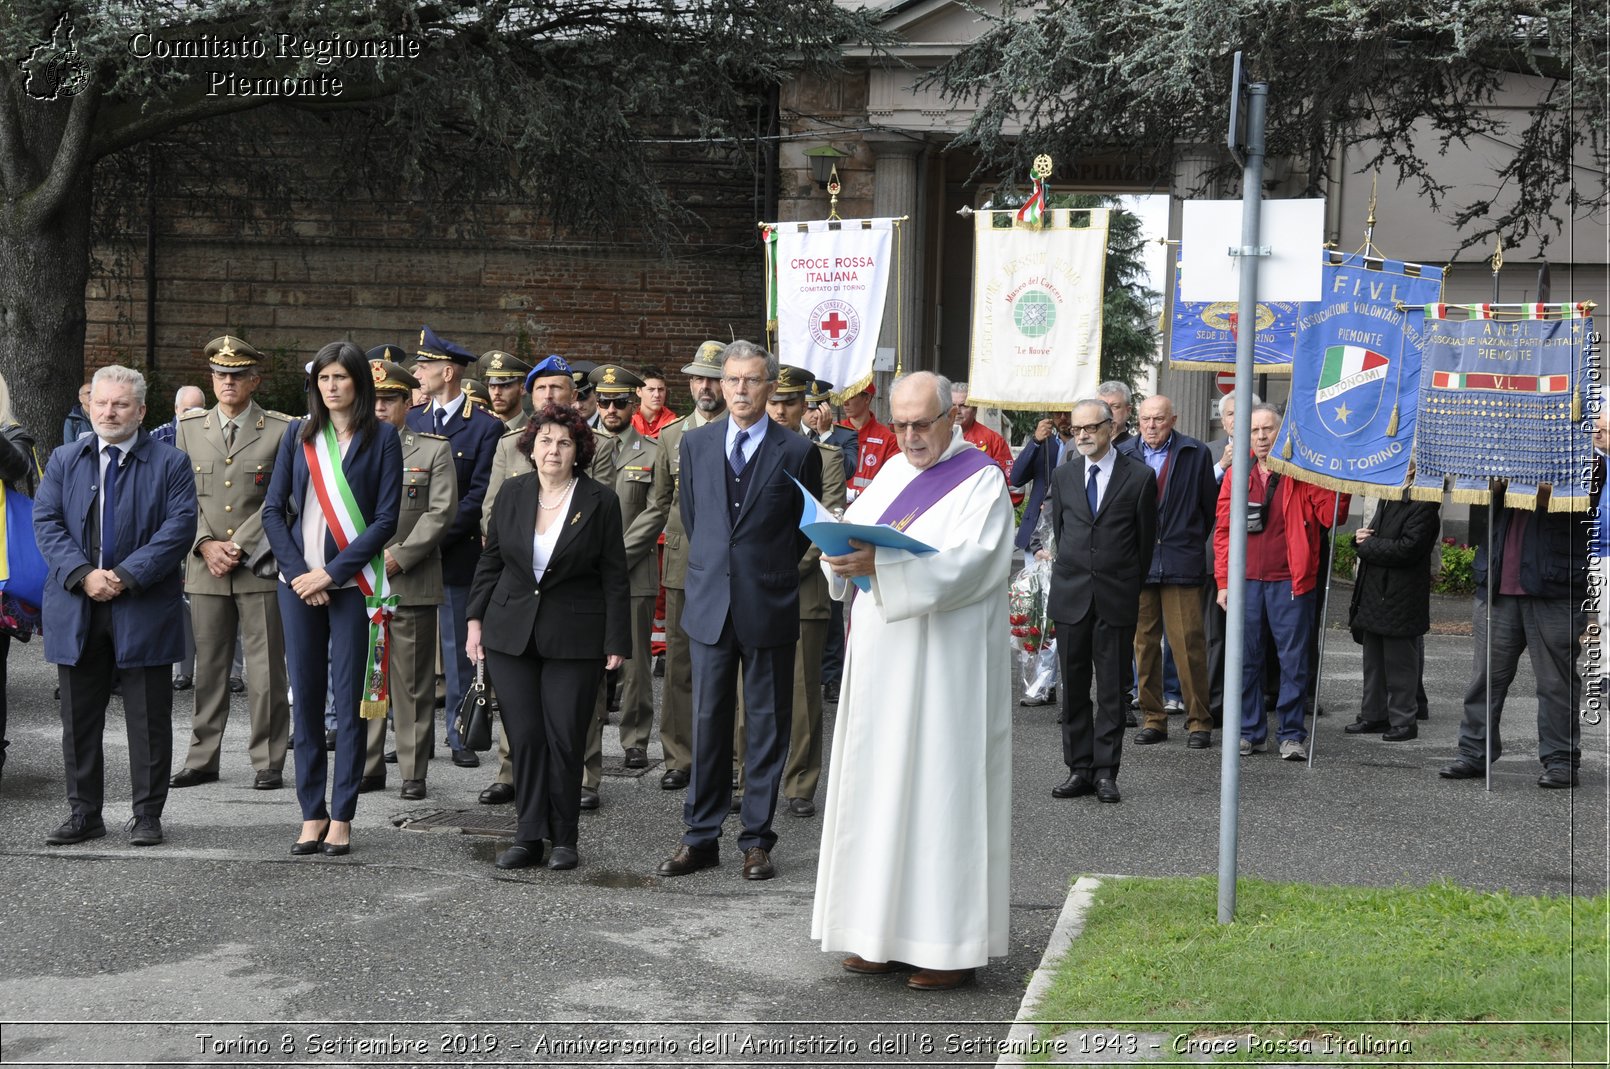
x,y
1104,514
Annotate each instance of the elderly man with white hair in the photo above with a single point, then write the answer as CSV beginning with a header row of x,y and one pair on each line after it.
x,y
916,839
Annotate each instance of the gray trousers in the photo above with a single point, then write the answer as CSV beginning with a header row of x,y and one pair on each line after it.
x,y
1550,630
1392,667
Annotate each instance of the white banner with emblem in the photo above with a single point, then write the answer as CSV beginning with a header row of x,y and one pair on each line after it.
x,y
1037,300
830,282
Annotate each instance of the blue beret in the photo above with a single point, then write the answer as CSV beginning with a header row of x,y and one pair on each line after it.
x,y
553,364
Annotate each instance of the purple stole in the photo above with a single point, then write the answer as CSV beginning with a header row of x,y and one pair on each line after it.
x,y
932,484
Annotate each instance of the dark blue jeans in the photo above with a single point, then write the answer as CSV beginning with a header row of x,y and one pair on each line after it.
x,y
1290,619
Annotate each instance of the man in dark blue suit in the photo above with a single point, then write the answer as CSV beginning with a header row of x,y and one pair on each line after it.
x,y
115,518
741,512
472,434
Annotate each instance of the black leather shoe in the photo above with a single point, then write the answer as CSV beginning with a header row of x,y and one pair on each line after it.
x,y
329,739
466,759
371,783
802,807
183,682
522,855
335,849
77,829
191,777
757,864
636,757
1557,776
304,847
1199,740
1107,790
689,859
390,758
1148,736
413,790
674,779
564,857
1130,721
145,831
237,685
498,794
589,798
1366,727
1462,769
1401,734
268,779
1076,785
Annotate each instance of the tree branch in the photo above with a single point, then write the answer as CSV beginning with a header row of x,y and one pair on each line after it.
x,y
13,161
72,157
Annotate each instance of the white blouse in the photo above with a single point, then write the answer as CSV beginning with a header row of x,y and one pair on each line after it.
x,y
542,543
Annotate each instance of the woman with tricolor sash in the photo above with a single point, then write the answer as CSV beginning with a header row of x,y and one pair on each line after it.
x,y
331,508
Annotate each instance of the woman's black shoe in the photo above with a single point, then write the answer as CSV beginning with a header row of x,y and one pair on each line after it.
x,y
304,847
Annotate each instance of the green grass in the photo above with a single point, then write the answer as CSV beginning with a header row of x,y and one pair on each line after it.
x,y
1441,965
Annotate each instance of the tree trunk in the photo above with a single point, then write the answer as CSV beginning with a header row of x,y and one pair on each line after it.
x,y
43,273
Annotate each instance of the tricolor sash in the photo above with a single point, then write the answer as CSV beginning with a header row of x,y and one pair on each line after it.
x,y
932,484
346,523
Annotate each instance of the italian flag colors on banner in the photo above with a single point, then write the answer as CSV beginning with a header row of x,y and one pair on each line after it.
x,y
1347,366
346,523
1037,308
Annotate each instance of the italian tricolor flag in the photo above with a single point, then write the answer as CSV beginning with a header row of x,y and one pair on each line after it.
x,y
1347,366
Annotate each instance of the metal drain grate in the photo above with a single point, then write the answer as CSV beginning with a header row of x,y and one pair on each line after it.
x,y
492,820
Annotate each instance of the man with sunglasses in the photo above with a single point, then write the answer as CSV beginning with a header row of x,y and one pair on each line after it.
x,y
1104,517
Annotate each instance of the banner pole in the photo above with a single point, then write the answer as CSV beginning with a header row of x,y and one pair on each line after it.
x,y
1487,646
1324,611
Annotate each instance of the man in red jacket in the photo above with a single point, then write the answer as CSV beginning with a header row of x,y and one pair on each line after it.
x,y
877,442
1286,519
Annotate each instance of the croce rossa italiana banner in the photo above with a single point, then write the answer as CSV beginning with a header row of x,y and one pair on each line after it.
x,y
829,281
1037,309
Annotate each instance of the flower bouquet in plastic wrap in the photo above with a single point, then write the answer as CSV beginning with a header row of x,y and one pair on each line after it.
x,y
1033,633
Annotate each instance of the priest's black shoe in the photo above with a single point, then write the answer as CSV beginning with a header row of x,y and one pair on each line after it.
x,y
1401,734
498,794
1557,776
564,857
1147,736
466,759
1462,769
674,779
1074,786
1366,727
690,859
1107,790
522,855
191,777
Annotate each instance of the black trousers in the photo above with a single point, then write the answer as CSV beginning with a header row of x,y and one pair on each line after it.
x,y
5,655
1093,738
86,687
768,680
546,703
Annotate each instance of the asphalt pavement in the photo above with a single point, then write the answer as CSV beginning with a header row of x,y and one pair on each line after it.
x,y
219,948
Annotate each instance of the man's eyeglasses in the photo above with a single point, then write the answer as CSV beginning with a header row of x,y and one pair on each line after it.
x,y
1089,428
754,382
615,402
919,425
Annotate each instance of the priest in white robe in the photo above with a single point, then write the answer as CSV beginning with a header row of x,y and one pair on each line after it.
x,y
916,842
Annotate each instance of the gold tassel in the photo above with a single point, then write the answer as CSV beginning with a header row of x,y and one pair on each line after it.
x,y
1392,424
1285,450
369,710
1576,407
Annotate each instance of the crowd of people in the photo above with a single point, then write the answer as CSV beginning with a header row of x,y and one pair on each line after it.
x,y
569,536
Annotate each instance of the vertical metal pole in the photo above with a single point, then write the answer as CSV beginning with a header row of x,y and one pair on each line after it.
x,y
1324,611
1487,647
1230,752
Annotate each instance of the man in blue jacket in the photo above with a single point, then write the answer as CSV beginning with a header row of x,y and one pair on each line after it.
x,y
115,517
1051,444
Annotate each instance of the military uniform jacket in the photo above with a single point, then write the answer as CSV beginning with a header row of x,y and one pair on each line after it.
x,y
230,487
508,461
630,457
661,511
429,503
815,603
473,435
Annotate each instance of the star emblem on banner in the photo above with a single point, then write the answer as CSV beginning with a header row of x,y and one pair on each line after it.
x,y
1342,412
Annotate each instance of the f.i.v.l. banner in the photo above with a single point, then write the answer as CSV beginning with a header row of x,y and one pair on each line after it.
x,y
1502,395
829,281
1037,297
1355,375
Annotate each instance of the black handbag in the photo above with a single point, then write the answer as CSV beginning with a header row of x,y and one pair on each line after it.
x,y
474,717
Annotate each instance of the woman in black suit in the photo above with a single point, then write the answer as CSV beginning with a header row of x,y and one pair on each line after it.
x,y
549,610
326,520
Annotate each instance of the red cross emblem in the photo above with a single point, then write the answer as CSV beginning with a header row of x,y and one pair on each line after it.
x,y
835,325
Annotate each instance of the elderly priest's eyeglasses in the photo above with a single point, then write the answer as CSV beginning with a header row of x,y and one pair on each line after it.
x,y
919,425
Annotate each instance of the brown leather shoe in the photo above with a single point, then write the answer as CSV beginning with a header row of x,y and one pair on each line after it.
x,y
690,859
939,979
857,964
757,864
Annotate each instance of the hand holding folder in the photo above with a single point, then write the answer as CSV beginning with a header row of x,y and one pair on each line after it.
x,y
832,535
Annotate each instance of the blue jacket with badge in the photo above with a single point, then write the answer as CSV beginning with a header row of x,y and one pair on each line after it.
x,y
156,526
472,434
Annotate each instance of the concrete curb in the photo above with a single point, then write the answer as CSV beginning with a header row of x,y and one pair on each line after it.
x,y
1069,924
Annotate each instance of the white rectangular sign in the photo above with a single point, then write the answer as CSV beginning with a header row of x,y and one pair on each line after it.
x,y
1294,231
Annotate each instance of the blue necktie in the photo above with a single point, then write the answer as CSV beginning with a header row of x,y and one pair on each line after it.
x,y
109,508
1090,490
441,421
737,459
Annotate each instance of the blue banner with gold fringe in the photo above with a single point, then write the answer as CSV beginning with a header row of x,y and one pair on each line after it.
x,y
1502,394
1202,336
1350,422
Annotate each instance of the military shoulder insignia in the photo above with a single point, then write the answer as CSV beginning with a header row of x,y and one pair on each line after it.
x,y
194,413
431,436
278,415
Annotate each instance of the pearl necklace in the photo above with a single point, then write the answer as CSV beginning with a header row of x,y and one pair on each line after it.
x,y
549,508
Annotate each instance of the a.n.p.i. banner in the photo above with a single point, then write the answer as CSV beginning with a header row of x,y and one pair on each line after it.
x,y
1037,298
828,281
1203,336
1501,398
1355,375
